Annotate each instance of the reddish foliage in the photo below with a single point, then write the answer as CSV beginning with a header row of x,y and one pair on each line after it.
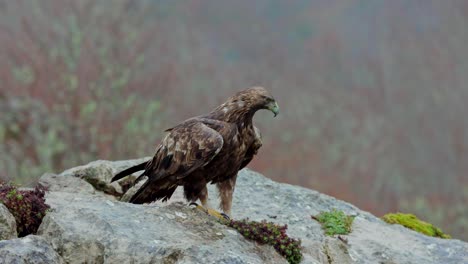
x,y
27,206
270,233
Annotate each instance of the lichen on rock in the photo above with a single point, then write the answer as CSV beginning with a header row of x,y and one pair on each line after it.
x,y
7,224
29,249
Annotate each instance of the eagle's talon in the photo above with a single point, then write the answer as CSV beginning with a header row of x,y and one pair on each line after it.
x,y
199,207
193,205
216,214
212,212
226,217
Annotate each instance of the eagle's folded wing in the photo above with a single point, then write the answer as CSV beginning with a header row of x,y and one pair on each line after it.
x,y
183,150
186,148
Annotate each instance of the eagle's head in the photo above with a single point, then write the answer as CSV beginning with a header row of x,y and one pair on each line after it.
x,y
256,98
244,104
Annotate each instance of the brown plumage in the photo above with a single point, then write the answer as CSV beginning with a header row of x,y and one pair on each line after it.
x,y
209,148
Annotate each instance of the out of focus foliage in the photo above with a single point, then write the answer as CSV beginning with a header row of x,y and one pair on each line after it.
x,y
373,93
73,90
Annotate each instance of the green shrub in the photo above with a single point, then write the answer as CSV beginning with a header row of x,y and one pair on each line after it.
x,y
412,222
27,206
272,234
335,222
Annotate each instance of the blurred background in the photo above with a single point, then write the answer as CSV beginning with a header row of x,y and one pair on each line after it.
x,y
373,93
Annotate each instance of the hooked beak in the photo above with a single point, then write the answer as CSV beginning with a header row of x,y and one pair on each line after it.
x,y
273,107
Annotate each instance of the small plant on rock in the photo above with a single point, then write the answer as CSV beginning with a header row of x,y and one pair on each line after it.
x,y
335,222
272,234
412,222
27,206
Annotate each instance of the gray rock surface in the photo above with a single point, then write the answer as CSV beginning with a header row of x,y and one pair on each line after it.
x,y
88,229
371,240
30,249
87,226
7,224
130,192
57,183
99,173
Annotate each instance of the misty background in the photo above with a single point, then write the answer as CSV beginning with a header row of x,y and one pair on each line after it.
x,y
373,93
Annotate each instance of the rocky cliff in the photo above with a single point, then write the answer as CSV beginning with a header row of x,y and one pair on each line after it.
x,y
87,224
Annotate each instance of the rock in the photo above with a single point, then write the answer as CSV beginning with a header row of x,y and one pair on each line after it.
x,y
336,251
371,239
29,249
99,173
89,229
93,228
55,182
128,194
7,224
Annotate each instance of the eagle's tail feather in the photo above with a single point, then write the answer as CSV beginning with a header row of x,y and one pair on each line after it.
x,y
148,194
129,171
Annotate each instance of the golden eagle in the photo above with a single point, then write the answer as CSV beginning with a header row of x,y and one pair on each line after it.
x,y
209,148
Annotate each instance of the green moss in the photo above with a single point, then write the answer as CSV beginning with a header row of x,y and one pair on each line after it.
x,y
412,222
335,222
11,193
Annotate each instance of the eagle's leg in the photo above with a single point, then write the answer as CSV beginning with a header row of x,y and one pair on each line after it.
x,y
203,196
226,190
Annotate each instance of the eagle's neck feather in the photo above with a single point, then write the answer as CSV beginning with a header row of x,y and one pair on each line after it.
x,y
239,112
